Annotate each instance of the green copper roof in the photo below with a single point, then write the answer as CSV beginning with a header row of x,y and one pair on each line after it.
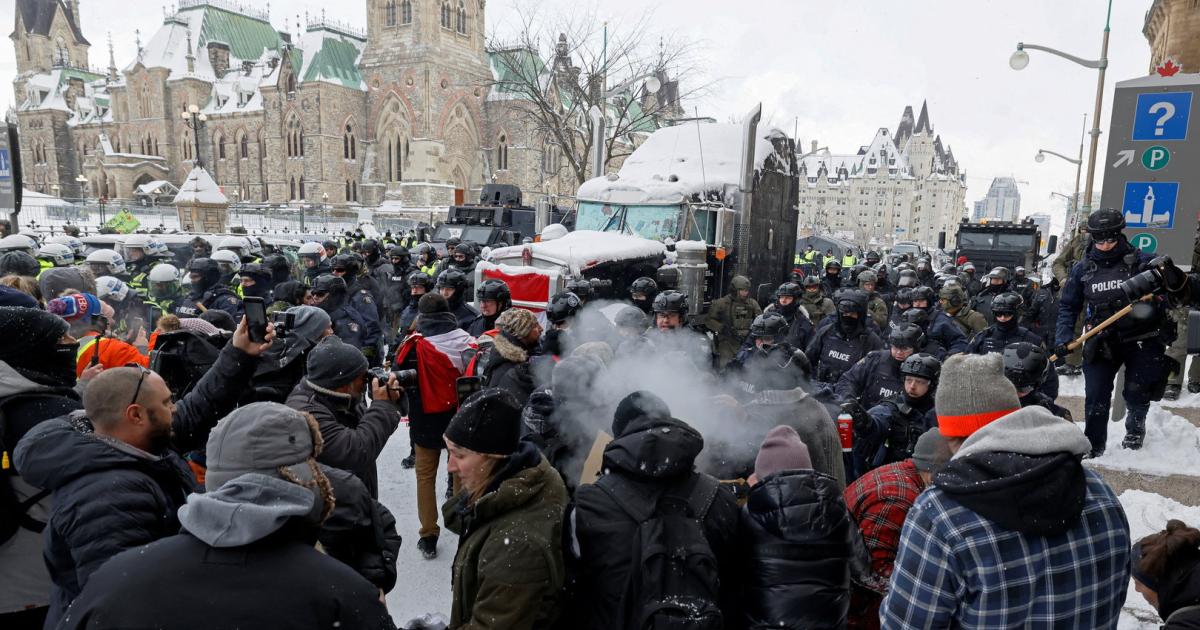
x,y
76,73
513,68
246,36
334,61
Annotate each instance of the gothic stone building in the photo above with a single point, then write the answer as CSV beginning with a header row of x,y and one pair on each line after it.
x,y
1172,28
409,113
903,186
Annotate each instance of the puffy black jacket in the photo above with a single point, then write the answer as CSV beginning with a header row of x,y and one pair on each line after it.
x,y
1179,596
354,434
361,532
108,497
651,455
798,548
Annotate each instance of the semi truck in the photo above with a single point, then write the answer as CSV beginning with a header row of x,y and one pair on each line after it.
x,y
993,244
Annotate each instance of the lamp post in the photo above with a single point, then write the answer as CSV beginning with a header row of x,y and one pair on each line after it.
x,y
1073,217
325,209
194,119
1020,59
600,118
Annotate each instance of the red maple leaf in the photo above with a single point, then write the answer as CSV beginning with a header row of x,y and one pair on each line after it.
x,y
1168,68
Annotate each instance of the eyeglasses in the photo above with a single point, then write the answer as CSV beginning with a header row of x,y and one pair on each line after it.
x,y
1106,240
141,379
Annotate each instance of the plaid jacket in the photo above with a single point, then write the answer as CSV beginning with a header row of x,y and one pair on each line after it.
x,y
956,569
879,501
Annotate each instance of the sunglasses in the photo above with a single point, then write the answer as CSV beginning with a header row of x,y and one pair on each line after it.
x,y
141,379
1107,240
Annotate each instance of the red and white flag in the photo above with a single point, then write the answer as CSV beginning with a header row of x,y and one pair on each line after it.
x,y
441,361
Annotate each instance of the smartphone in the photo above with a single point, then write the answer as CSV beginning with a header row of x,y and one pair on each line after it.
x,y
467,385
256,318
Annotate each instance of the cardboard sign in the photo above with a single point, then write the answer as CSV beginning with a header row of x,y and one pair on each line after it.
x,y
595,459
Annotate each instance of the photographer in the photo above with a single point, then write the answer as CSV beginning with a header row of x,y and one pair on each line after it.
x,y
332,392
299,329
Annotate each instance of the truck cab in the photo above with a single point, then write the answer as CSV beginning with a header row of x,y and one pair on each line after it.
x,y
1000,244
498,220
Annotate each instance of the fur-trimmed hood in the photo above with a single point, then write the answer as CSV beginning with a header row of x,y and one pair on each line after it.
x,y
508,349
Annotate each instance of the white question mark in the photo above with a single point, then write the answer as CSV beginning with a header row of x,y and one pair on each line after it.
x,y
1168,110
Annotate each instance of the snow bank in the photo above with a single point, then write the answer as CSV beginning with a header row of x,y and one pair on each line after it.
x,y
1170,447
584,248
678,162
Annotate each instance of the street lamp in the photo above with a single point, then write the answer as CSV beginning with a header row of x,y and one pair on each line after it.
x,y
325,209
600,118
1073,217
193,118
1020,59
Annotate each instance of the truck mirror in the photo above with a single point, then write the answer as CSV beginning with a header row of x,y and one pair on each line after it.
x,y
1052,245
942,241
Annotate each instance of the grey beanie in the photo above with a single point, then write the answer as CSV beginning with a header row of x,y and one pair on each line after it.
x,y
334,363
931,452
259,438
973,392
311,322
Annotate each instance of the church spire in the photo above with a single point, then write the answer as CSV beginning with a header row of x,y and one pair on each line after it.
x,y
923,119
191,57
112,60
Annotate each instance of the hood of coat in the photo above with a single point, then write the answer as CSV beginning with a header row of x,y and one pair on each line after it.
x,y
13,382
1023,471
244,509
654,447
508,349
53,453
1179,588
798,505
433,324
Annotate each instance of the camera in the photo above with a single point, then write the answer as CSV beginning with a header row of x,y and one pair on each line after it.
x,y
404,378
284,322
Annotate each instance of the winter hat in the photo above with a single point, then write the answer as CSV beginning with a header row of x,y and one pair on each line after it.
x,y
333,364
198,326
311,322
639,404
516,322
260,438
11,297
220,319
595,349
488,422
781,450
55,281
973,392
28,333
432,303
18,264
931,452
75,306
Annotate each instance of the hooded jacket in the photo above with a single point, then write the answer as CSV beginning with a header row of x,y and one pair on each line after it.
x,y
1179,596
798,549
649,456
508,571
507,367
1014,532
251,536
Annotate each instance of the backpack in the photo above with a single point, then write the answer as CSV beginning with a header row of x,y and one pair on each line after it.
x,y
14,513
181,357
674,581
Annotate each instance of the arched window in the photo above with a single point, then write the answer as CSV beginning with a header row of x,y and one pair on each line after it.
x,y
244,146
291,82
406,12
155,140
300,185
295,138
186,144
389,12
446,15
347,190
502,153
219,141
354,189
461,24
292,188
349,148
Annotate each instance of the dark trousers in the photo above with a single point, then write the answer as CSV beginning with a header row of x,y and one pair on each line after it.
x,y
1144,373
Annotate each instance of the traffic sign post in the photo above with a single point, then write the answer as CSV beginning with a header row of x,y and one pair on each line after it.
x,y
1152,157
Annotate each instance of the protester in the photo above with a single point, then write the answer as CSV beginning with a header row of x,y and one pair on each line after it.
x,y
508,571
1015,497
507,365
1165,573
251,533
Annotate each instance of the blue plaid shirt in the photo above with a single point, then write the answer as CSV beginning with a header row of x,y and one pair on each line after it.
x,y
956,569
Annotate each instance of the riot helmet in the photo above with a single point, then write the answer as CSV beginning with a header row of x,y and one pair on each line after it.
x,y
1025,365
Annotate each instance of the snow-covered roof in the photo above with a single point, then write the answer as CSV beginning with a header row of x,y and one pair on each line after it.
x,y
585,248
156,187
331,55
247,35
677,162
199,188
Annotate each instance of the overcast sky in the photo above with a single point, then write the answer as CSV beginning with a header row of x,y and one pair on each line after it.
x,y
844,69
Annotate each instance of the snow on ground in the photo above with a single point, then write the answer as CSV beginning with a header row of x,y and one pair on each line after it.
x,y
1073,386
422,586
1170,448
1148,513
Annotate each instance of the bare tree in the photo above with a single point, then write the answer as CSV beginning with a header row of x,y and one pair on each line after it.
x,y
560,66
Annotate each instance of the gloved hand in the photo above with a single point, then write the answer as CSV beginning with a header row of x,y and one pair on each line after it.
x,y
1061,350
536,414
862,420
1173,278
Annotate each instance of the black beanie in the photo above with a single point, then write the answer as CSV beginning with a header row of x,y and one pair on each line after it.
x,y
487,422
28,333
220,319
334,363
432,303
639,404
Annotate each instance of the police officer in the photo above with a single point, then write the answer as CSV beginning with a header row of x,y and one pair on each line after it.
x,y
902,304
255,282
1004,331
815,302
729,319
208,292
642,293
582,288
494,298
351,326
107,262
941,327
230,264
953,300
363,293
240,246
668,334
164,289
787,304
876,307
462,258
419,283
57,254
396,292
130,314
1135,341
453,286
832,280
888,431
970,283
427,260
837,346
877,376
770,362
996,283
1027,367
376,264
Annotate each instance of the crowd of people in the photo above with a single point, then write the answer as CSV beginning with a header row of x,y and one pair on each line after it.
x,y
880,445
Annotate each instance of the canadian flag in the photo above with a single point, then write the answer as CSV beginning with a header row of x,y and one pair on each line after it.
x,y
441,361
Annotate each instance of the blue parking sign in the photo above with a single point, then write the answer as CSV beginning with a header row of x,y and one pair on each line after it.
x,y
5,165
1162,116
1150,204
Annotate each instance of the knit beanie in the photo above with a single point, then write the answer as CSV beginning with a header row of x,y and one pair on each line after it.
x,y
931,452
15,297
334,363
75,306
973,392
28,333
258,438
311,322
639,404
198,326
781,450
432,303
517,322
488,422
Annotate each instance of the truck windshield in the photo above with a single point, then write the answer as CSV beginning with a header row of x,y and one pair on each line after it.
x,y
473,233
968,239
653,222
